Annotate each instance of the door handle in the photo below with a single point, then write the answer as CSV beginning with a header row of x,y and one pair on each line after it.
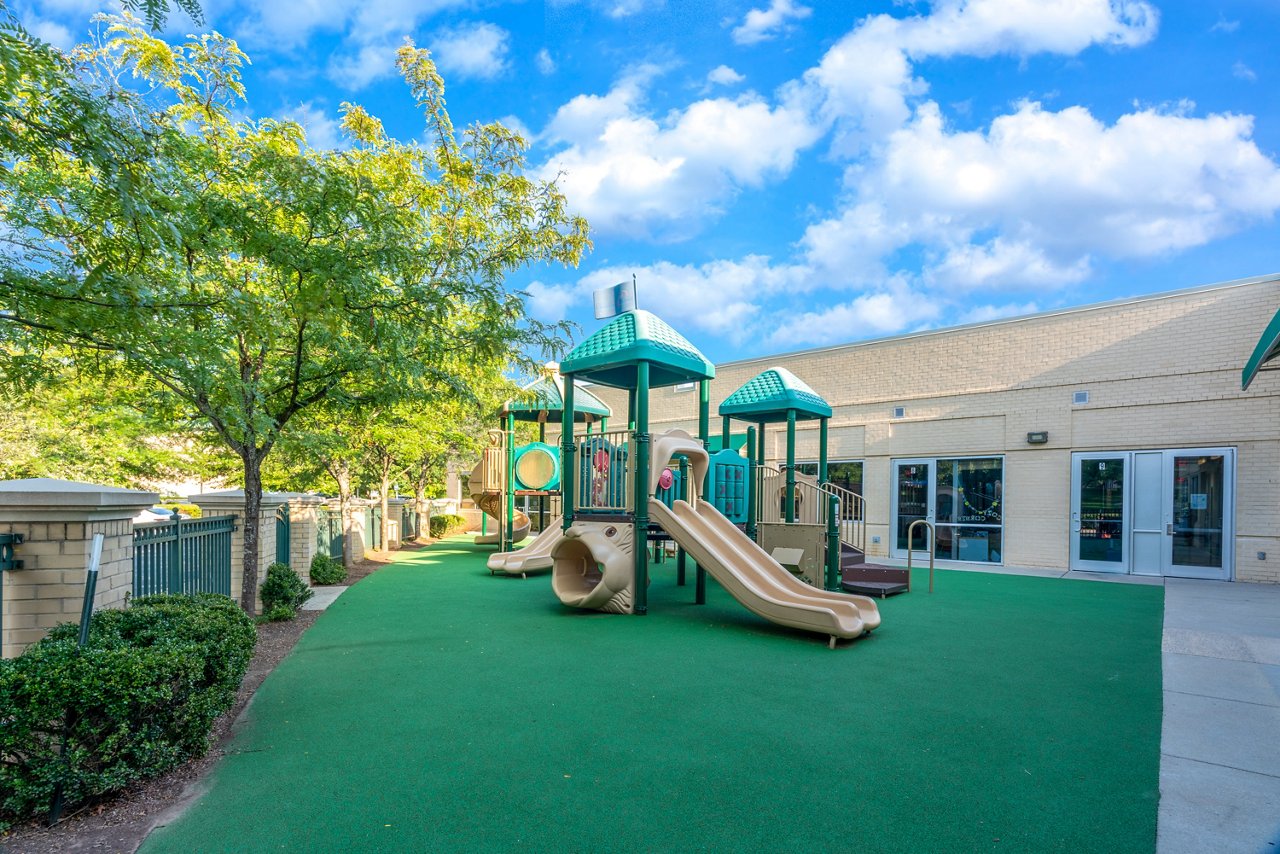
x,y
1168,529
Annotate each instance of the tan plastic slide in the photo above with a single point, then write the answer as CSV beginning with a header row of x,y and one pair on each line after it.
x,y
533,557
757,580
491,503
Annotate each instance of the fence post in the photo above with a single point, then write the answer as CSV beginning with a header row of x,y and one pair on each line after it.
x,y
57,520
175,557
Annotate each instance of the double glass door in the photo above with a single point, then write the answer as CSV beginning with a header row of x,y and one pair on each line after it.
x,y
1161,512
962,497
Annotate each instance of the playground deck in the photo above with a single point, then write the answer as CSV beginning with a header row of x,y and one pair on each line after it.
x,y
434,707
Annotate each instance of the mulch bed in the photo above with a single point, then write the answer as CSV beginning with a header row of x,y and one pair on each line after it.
x,y
121,822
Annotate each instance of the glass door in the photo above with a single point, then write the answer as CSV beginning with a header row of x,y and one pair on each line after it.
x,y
1099,512
913,500
1199,513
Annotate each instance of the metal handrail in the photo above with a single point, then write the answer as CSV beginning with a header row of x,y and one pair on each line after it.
x,y
853,530
811,504
933,542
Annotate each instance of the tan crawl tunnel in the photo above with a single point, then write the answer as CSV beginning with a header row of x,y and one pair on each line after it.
x,y
593,566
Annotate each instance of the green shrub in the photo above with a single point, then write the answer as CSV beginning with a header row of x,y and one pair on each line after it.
x,y
191,510
446,524
327,570
283,589
138,700
279,613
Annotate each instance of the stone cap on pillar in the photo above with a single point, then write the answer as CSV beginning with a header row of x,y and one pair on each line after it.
x,y
53,500
229,500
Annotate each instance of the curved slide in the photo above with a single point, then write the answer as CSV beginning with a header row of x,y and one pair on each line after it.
x,y
533,557
757,580
491,503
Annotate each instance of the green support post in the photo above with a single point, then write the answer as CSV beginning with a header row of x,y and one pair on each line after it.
x,y
604,424
791,465
704,412
724,433
641,470
631,408
509,528
822,451
752,485
833,543
542,499
704,436
681,560
760,448
568,471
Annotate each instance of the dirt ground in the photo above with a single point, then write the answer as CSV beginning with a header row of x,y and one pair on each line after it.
x,y
120,823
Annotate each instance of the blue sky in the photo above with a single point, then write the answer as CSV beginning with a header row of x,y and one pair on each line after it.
x,y
782,174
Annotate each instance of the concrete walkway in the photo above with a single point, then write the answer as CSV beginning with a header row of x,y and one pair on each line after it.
x,y
322,597
1220,747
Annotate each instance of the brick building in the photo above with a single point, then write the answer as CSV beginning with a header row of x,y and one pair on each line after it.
x,y
1111,437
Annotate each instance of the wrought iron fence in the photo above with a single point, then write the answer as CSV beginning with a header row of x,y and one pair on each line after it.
x,y
183,556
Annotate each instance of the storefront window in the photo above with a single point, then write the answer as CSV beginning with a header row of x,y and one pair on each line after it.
x,y
963,497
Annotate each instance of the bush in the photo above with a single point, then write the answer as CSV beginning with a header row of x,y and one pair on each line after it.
x,y
278,614
138,700
445,524
189,510
327,570
283,589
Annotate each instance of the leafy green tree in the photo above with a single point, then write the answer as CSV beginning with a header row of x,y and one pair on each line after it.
x,y
250,275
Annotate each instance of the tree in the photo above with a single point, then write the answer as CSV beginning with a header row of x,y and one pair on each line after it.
x,y
251,276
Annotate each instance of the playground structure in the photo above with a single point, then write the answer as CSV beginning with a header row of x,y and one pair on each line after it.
x,y
622,490
532,469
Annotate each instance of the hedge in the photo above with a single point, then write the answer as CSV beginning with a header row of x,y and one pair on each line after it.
x,y
139,699
446,524
283,592
326,570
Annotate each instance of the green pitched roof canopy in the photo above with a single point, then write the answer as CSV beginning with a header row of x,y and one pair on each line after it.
x,y
609,357
766,397
541,400
1268,348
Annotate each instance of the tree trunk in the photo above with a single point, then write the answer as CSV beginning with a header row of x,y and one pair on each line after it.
x,y
252,528
422,509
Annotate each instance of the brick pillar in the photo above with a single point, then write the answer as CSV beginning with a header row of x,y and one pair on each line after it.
x,y
395,532
303,532
353,530
230,502
57,519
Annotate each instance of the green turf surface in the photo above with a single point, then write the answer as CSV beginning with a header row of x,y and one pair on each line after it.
x,y
436,708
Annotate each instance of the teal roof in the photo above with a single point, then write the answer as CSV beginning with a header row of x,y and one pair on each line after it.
x,y
1268,348
768,396
610,355
541,400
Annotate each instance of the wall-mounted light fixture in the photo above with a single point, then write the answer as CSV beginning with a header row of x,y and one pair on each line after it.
x,y
1039,437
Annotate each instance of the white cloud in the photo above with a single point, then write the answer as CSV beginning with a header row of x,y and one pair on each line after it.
x,y
1240,71
544,62
1002,263
476,50
550,303
723,75
765,24
895,308
323,130
983,313
52,32
865,80
633,173
356,70
1224,26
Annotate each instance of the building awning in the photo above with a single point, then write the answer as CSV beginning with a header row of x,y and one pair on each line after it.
x,y
1268,348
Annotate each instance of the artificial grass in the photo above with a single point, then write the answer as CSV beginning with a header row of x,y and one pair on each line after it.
x,y
436,708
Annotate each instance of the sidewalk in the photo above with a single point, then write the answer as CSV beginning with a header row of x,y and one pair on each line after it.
x,y
1220,745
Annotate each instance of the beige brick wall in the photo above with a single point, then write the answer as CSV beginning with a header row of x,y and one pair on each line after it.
x,y
1161,372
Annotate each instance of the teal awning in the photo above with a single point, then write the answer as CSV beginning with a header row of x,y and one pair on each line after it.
x,y
609,357
1268,348
541,400
768,396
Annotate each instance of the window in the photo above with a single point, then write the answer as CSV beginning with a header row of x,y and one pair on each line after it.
x,y
846,474
683,387
963,497
899,412
1080,397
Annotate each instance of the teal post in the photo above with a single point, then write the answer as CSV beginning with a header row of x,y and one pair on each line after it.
x,y
704,436
542,499
542,431
681,560
509,528
631,406
752,484
760,448
791,465
724,433
604,424
641,398
704,412
569,471
822,451
833,543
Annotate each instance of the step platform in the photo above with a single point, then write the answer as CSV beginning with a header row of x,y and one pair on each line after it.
x,y
869,580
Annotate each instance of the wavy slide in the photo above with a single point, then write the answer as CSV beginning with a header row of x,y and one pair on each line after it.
x,y
491,503
533,557
757,580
